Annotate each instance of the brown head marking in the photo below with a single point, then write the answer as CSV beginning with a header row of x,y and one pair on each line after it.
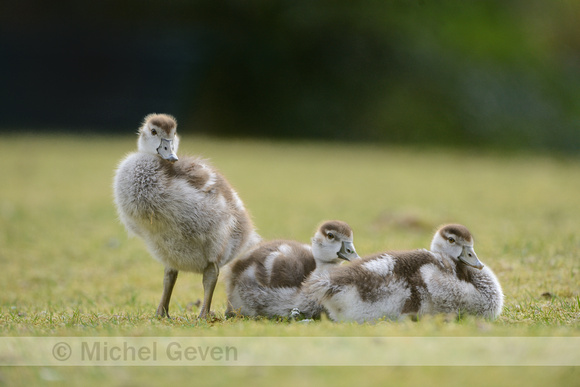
x,y
336,225
458,230
164,122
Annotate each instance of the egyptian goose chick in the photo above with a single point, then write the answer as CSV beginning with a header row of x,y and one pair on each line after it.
x,y
448,279
267,281
186,212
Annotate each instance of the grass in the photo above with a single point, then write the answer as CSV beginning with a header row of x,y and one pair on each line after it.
x,y
69,268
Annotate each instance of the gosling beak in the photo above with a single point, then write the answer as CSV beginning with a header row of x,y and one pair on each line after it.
x,y
167,151
347,251
469,257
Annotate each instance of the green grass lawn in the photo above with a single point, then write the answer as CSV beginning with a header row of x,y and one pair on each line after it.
x,y
69,268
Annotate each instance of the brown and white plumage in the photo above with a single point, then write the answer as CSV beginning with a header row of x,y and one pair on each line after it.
x,y
187,213
448,279
268,280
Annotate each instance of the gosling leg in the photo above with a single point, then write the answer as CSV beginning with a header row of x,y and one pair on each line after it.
x,y
210,277
169,279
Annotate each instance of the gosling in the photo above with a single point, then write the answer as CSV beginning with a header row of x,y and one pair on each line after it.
x,y
187,213
268,280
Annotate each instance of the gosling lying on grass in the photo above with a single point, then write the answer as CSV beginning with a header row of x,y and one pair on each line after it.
x,y
268,280
186,212
448,279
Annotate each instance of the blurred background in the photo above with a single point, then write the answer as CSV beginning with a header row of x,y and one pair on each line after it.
x,y
499,73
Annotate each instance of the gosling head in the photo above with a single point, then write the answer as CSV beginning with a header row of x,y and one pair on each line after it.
x,y
158,136
333,242
456,241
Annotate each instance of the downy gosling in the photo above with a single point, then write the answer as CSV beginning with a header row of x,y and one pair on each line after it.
x,y
189,216
268,280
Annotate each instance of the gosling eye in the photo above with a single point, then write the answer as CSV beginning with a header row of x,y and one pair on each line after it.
x,y
451,240
154,132
330,236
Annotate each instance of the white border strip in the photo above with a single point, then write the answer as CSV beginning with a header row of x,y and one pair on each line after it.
x,y
289,351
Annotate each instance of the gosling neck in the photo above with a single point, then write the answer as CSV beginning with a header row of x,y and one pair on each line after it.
x,y
324,267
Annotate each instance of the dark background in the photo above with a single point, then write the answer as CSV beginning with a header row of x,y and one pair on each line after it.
x,y
502,74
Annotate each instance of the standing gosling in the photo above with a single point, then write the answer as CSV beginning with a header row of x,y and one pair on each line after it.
x,y
186,212
268,280
448,279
